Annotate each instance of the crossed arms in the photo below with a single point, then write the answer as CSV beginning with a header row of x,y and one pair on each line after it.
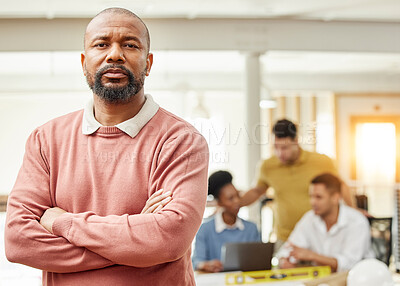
x,y
76,242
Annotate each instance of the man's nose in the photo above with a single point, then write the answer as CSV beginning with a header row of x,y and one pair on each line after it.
x,y
115,54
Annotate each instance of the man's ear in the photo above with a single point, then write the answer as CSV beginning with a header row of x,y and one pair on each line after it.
x,y
337,197
149,63
83,62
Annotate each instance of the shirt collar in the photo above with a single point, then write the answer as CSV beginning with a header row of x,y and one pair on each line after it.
x,y
300,160
220,225
341,221
302,157
131,126
342,216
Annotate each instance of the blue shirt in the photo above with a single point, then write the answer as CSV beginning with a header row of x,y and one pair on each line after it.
x,y
209,242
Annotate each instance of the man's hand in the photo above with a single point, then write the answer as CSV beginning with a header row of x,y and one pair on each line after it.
x,y
211,266
284,263
157,201
365,213
49,216
301,253
252,195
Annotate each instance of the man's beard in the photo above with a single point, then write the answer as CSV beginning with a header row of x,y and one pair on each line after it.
x,y
115,94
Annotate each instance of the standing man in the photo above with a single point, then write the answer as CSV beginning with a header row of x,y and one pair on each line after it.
x,y
78,209
330,234
289,173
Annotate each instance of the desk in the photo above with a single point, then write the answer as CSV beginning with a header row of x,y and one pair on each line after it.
x,y
218,279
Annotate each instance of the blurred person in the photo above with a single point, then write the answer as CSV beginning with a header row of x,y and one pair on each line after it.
x,y
289,172
225,226
92,202
331,234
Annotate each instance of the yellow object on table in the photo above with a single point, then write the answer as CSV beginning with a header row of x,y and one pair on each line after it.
x,y
254,277
336,279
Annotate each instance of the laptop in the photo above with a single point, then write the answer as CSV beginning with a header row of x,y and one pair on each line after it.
x,y
247,256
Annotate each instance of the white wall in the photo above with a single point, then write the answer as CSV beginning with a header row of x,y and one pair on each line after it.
x,y
225,133
20,114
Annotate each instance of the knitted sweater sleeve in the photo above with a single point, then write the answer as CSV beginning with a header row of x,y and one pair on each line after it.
x,y
143,240
26,241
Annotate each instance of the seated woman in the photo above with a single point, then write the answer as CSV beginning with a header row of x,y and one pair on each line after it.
x,y
224,227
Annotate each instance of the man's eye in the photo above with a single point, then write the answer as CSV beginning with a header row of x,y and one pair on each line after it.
x,y
101,45
131,45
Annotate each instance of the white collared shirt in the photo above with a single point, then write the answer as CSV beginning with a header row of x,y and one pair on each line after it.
x,y
131,126
220,225
349,240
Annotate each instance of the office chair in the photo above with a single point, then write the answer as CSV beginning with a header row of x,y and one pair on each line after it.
x,y
362,202
381,235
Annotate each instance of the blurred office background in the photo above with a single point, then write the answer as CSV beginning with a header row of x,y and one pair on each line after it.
x,y
231,67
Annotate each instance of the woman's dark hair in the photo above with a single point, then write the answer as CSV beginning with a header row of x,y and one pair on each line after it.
x,y
218,180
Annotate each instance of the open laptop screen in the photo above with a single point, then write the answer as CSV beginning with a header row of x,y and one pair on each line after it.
x,y
247,256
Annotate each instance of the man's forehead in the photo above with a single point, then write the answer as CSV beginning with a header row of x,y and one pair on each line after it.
x,y
105,21
318,188
284,141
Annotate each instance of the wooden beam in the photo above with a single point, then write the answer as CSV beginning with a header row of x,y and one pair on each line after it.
x,y
3,203
297,109
281,107
313,111
257,35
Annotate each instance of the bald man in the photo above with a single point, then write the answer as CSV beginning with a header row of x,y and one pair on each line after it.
x,y
92,204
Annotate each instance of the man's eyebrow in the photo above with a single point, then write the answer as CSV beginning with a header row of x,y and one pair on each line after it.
x,y
100,38
134,38
126,38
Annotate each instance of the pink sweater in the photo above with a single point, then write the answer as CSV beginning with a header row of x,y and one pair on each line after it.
x,y
103,181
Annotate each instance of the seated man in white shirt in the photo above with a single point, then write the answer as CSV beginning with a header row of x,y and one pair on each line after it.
x,y
330,234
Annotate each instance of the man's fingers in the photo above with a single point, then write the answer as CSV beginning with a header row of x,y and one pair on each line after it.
x,y
156,201
157,206
157,197
153,208
166,201
149,209
160,191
